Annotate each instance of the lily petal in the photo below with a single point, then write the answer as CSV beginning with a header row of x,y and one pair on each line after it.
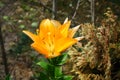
x,y
51,55
39,47
64,43
79,38
66,20
31,35
64,29
45,27
52,38
56,23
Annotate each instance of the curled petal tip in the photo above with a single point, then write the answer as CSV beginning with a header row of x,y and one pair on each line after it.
x,y
73,31
76,27
23,31
79,38
66,20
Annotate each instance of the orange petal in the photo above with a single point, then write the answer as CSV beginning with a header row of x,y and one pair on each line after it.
x,y
56,23
31,35
52,55
49,42
64,29
64,43
40,47
46,26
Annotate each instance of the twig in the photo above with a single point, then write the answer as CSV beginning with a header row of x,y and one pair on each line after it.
x,y
54,9
3,52
77,6
92,12
4,58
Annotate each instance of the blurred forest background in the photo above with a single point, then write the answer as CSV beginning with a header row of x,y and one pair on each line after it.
x,y
97,57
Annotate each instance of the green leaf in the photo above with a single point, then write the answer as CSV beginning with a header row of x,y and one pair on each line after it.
x,y
49,69
62,59
2,4
34,24
67,77
41,76
58,71
43,64
22,26
6,18
8,77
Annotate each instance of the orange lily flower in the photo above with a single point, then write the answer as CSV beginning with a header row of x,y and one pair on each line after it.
x,y
53,37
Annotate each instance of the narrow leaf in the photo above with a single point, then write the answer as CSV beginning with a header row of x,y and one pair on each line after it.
x,y
43,64
58,71
67,77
